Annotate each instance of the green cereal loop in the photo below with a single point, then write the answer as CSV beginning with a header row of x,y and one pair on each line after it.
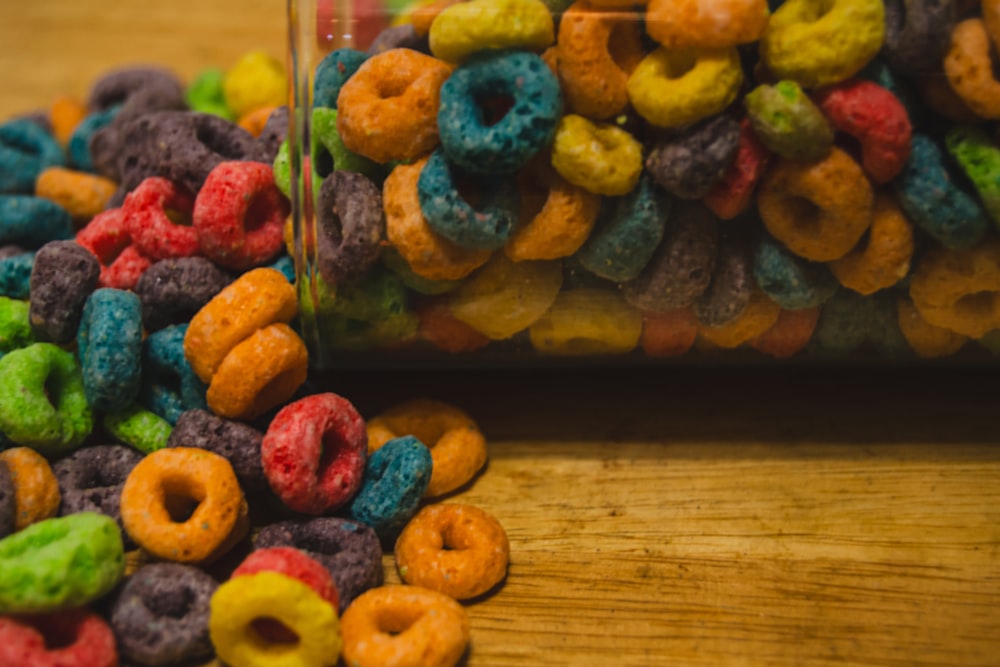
x,y
822,42
788,123
42,402
980,160
60,563
205,94
324,133
282,168
15,329
140,428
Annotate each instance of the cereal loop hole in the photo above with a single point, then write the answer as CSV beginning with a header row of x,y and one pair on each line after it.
x,y
172,603
395,620
976,305
269,630
57,635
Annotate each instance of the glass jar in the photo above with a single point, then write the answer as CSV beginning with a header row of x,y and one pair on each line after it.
x,y
502,182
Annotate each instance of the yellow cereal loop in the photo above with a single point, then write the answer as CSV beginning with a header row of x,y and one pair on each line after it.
x,y
587,321
671,88
237,603
821,42
504,297
479,25
256,80
600,158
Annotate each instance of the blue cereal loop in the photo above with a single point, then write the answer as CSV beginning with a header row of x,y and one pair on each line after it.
x,y
15,275
79,142
170,385
331,74
109,343
627,232
934,203
26,150
790,281
448,213
395,478
468,137
33,221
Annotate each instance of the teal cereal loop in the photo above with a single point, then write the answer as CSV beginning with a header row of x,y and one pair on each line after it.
x,y
60,563
26,150
32,221
600,158
15,275
15,329
788,123
109,345
821,42
469,27
139,428
42,402
979,158
674,88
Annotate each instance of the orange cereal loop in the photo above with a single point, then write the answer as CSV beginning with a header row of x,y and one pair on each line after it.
x,y
458,448
556,216
818,210
259,373
789,335
550,57
959,290
254,300
597,51
668,334
759,315
36,490
424,14
455,549
445,331
404,626
926,340
429,255
968,66
183,504
711,24
991,19
65,114
388,108
885,259
83,195
255,120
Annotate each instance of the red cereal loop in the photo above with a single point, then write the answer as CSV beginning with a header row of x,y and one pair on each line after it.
x,y
150,210
239,215
668,334
314,453
876,118
734,193
790,334
107,238
445,331
292,563
79,638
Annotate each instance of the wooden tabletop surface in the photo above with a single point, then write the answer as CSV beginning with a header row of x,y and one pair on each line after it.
x,y
676,516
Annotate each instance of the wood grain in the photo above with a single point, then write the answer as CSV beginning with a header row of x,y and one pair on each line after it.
x,y
678,515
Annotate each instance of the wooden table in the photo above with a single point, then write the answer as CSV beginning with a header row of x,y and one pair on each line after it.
x,y
683,515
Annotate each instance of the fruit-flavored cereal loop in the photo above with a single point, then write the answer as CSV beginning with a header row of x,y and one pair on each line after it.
x,y
979,158
169,385
91,479
42,401
427,254
174,290
60,563
137,427
458,448
32,221
733,195
789,335
268,595
350,226
957,290
926,340
36,490
239,443
149,212
788,122
706,24
396,477
26,150
87,641
293,563
182,504
759,315
62,277
109,345
239,215
82,195
597,51
968,68
917,34
388,109
404,626
692,162
789,280
256,299
587,321
601,158
821,43
65,113
818,210
668,334
885,259
257,80
673,88
732,282
446,332
469,27
459,550
314,453
260,373
107,237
